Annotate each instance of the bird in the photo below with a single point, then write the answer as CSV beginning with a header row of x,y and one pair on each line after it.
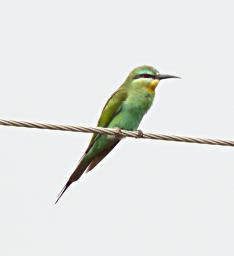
x,y
123,110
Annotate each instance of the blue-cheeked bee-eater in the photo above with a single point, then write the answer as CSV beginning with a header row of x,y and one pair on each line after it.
x,y
124,110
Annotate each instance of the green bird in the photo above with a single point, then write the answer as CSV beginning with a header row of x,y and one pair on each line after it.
x,y
124,110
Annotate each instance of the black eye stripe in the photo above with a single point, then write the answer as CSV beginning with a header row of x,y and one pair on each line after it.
x,y
144,76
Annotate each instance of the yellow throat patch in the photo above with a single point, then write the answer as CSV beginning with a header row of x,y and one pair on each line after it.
x,y
152,86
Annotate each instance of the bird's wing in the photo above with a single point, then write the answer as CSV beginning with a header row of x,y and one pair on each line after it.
x,y
110,110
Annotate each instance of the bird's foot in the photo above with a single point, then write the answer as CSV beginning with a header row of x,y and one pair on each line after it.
x,y
140,134
118,133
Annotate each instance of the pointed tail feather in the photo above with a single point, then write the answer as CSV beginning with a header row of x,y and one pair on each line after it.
x,y
80,169
87,161
63,191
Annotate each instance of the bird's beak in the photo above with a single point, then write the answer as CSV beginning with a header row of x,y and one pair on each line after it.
x,y
161,76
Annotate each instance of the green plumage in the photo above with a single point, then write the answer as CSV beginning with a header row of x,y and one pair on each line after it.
x,y
125,110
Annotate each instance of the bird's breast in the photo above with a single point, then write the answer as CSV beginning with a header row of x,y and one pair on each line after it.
x,y
133,110
139,100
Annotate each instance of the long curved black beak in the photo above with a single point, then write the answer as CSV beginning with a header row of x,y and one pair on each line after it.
x,y
161,76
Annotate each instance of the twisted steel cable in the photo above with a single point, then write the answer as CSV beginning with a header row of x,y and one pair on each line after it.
x,y
117,132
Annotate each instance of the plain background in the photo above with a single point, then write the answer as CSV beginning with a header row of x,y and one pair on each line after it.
x,y
59,63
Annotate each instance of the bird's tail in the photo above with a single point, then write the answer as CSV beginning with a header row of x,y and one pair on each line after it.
x,y
80,169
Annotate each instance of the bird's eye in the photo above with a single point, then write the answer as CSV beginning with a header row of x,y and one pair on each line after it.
x,y
144,76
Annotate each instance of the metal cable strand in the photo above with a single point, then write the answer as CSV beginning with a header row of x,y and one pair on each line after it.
x,y
117,132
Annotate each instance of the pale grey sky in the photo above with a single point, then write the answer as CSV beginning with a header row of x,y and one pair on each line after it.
x,y
59,63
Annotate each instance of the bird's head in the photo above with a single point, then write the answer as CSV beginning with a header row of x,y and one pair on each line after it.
x,y
147,77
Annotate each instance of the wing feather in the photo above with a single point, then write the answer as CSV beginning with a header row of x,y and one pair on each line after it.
x,y
110,110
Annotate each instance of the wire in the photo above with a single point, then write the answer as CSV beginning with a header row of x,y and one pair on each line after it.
x,y
117,132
